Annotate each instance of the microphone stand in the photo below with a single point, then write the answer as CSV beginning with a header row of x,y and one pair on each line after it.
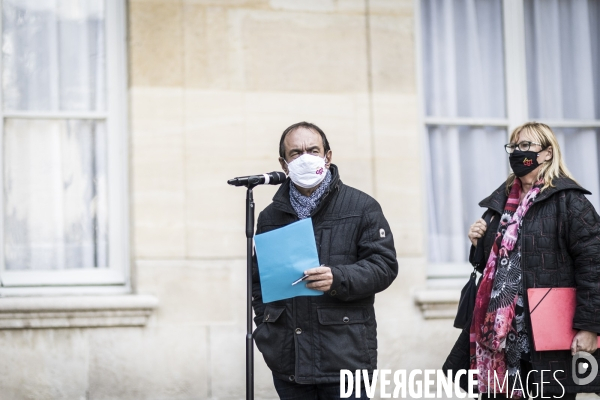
x,y
250,182
249,339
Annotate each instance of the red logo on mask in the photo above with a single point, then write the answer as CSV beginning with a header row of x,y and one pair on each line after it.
x,y
527,162
319,171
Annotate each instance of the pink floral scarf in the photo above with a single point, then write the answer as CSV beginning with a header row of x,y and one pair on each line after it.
x,y
497,297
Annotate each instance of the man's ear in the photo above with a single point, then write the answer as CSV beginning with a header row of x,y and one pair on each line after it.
x,y
284,165
328,157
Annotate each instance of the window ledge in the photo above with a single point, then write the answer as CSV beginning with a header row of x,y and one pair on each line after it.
x,y
437,303
76,311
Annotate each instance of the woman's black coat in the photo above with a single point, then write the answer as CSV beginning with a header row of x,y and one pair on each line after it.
x,y
560,247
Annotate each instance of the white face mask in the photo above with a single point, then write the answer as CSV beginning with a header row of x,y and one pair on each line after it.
x,y
307,171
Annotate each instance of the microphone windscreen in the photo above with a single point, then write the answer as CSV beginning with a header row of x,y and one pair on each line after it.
x,y
277,178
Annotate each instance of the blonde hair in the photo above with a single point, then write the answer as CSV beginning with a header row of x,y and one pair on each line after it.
x,y
554,168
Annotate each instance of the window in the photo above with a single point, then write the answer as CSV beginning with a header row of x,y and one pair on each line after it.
x,y
487,67
64,147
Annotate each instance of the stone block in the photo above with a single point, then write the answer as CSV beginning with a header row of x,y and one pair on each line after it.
x,y
158,172
158,162
398,169
228,372
343,117
216,231
237,298
227,349
44,364
375,7
263,383
191,293
396,118
165,362
211,48
214,127
393,53
388,7
323,6
150,105
231,3
303,52
156,43
159,230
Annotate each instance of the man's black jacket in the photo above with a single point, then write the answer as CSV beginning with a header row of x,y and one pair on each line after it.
x,y
309,339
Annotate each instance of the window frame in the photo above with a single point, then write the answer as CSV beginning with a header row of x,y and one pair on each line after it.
x,y
517,112
117,277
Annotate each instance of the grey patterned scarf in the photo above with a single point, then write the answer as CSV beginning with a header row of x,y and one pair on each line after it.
x,y
304,205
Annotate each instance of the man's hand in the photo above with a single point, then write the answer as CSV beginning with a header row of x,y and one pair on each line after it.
x,y
584,341
321,278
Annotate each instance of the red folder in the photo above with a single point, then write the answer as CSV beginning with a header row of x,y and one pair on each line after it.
x,y
552,311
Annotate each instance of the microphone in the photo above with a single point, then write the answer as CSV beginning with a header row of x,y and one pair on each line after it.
x,y
271,178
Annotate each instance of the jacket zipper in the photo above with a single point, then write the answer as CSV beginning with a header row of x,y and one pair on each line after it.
x,y
524,291
296,358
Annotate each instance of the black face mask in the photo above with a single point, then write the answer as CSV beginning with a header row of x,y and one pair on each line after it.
x,y
523,162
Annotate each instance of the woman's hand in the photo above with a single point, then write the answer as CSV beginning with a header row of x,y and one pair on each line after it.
x,y
476,231
584,341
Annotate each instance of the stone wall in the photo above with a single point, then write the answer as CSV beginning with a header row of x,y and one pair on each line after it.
x,y
212,86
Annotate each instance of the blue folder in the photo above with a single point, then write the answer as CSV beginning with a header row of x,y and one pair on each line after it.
x,y
283,255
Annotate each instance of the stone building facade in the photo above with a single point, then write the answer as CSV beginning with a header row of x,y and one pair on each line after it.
x,y
210,86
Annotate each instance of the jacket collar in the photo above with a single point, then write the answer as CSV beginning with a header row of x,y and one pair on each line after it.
x,y
281,200
497,200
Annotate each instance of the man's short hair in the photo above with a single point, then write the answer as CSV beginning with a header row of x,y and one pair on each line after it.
x,y
306,125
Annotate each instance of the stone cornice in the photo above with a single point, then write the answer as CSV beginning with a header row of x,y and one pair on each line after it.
x,y
76,311
437,303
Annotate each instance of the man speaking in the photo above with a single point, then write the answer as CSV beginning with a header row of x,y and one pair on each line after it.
x,y
305,341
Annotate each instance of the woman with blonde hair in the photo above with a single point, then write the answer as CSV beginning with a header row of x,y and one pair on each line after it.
x,y
543,232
